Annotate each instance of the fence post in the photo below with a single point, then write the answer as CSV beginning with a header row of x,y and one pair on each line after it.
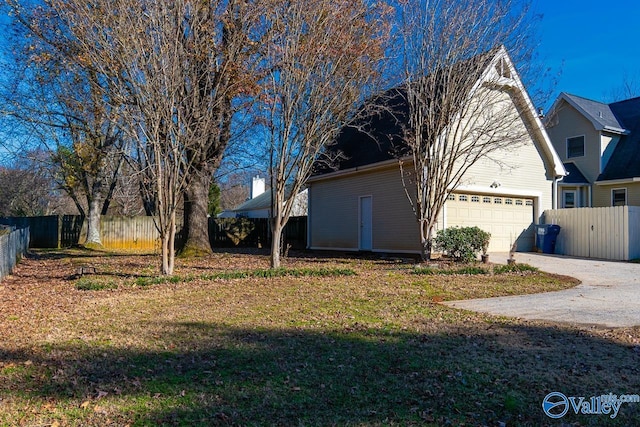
x,y
59,223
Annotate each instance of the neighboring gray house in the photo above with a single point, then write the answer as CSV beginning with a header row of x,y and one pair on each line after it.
x,y
363,206
259,205
600,146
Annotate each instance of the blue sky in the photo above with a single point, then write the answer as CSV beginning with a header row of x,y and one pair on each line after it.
x,y
594,44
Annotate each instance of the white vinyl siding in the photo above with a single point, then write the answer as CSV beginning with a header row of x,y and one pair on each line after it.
x,y
519,170
602,194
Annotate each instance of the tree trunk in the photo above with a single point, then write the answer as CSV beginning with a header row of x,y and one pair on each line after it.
x,y
172,244
164,269
276,242
426,239
93,239
168,246
196,203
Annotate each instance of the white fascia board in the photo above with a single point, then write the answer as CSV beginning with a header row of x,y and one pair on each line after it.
x,y
540,133
615,130
619,181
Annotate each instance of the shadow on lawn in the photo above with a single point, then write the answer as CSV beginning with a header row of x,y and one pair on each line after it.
x,y
218,375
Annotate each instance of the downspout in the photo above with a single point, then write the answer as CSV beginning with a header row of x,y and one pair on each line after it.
x,y
554,192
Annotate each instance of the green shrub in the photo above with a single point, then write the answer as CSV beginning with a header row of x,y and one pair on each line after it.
x,y
462,243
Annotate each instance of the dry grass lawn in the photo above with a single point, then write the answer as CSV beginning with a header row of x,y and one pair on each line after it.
x,y
329,341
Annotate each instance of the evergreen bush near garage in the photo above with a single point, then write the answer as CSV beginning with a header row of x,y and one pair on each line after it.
x,y
462,243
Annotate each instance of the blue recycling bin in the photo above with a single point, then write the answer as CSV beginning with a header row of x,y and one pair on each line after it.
x,y
546,236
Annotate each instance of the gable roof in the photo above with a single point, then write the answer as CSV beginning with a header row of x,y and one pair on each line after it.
x,y
601,115
378,138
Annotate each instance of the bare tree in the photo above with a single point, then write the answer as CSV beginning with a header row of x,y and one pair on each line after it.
x,y
234,190
225,68
457,81
25,190
628,88
60,97
325,57
163,60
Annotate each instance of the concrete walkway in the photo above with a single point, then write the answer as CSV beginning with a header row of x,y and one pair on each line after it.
x,y
609,294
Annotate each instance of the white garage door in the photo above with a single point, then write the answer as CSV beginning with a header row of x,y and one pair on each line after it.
x,y
506,218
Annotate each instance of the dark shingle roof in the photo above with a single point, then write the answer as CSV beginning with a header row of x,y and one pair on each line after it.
x,y
625,160
574,176
599,113
378,135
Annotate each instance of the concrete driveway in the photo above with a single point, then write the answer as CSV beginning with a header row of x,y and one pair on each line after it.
x,y
609,294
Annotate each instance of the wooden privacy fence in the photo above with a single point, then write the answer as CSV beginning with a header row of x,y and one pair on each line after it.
x,y
606,233
13,246
140,234
53,231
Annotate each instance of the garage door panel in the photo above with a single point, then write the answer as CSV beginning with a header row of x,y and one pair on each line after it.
x,y
506,218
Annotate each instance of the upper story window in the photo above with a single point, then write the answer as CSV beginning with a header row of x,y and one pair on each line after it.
x,y
575,146
619,197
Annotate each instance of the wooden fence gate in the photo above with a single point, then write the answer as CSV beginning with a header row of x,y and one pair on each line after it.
x,y
606,233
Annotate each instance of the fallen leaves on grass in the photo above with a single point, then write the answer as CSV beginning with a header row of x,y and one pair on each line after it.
x,y
367,349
